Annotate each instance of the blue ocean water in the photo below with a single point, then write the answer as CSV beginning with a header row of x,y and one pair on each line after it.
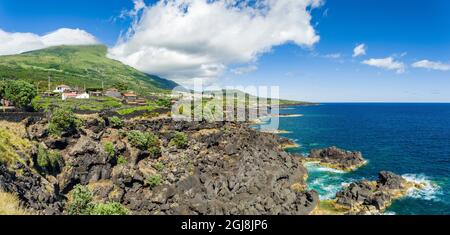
x,y
412,140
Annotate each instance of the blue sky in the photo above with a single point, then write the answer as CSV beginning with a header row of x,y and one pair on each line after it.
x,y
408,31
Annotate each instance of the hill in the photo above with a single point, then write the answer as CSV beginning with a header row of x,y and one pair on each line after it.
x,y
281,102
78,66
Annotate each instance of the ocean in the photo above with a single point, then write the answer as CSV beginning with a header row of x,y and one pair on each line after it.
x,y
412,140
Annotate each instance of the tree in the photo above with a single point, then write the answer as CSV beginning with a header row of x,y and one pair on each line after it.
x,y
20,93
121,86
2,89
63,120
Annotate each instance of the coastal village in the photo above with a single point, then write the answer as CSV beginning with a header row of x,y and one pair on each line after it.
x,y
89,99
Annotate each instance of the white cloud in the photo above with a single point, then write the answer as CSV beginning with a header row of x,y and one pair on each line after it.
x,y
359,50
186,39
245,69
15,43
387,63
333,56
426,64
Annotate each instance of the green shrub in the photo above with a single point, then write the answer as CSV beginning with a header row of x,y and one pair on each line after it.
x,y
179,140
110,149
154,180
81,201
153,144
116,122
145,141
164,103
110,208
121,160
137,139
63,120
2,89
158,166
48,160
20,92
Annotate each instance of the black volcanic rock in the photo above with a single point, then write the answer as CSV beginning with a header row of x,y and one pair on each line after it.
x,y
228,168
337,158
366,197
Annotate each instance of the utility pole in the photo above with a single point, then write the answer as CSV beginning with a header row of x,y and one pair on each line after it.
x,y
49,88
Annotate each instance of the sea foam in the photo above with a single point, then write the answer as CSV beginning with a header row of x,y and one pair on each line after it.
x,y
429,192
316,167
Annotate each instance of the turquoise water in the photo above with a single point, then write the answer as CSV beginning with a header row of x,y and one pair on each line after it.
x,y
412,140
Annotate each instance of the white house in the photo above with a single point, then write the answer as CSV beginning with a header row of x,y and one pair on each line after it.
x,y
74,95
62,89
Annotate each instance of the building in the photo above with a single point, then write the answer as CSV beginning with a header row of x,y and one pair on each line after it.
x,y
74,95
62,89
96,93
129,96
113,93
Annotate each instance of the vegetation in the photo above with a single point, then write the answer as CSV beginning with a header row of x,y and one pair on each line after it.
x,y
110,149
116,122
63,120
145,141
138,139
121,86
82,66
110,208
2,88
179,140
10,144
9,205
19,92
48,160
96,104
149,107
121,160
154,180
164,103
81,203
158,166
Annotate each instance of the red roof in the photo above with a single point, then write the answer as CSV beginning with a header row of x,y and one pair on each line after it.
x,y
74,94
129,94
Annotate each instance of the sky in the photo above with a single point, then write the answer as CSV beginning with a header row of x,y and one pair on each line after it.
x,y
314,50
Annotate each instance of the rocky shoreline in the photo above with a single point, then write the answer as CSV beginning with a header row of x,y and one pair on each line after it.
x,y
225,168
221,168
336,158
368,197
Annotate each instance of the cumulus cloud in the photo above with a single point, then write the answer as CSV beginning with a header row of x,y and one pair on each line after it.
x,y
15,43
426,64
359,50
333,56
186,39
387,63
244,70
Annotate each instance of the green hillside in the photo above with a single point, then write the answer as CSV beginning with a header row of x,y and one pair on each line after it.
x,y
78,66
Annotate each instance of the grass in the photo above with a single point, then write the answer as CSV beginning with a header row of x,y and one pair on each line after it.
x,y
95,104
149,107
9,205
10,143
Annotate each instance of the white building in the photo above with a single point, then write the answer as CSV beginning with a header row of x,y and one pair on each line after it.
x,y
74,95
62,89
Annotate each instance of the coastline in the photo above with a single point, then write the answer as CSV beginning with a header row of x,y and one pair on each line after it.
x,y
330,207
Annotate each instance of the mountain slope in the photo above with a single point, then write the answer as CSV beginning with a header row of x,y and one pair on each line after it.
x,y
78,66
